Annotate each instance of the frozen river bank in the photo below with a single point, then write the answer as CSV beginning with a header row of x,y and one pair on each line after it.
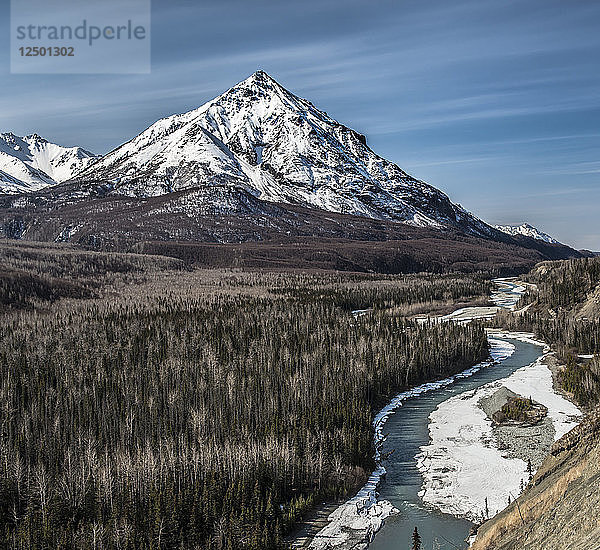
x,y
428,482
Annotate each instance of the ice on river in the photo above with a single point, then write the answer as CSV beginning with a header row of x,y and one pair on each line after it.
x,y
461,465
506,296
354,523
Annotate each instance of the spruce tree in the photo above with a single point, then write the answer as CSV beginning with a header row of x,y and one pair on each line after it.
x,y
416,540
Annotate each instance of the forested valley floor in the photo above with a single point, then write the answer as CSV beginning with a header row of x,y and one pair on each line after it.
x,y
145,404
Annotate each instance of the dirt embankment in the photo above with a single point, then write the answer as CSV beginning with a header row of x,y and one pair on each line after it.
x,y
561,506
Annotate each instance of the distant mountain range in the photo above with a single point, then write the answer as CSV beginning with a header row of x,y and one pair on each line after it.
x,y
528,231
31,163
255,164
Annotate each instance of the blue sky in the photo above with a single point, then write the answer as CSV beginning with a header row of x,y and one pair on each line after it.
x,y
495,102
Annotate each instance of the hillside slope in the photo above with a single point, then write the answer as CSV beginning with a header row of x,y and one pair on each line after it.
x,y
227,226
560,508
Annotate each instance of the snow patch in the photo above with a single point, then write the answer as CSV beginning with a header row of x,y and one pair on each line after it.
x,y
461,466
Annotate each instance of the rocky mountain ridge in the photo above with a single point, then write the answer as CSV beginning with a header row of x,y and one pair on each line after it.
x,y
527,230
31,163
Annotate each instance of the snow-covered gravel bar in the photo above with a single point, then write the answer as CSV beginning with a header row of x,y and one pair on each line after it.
x,y
354,524
462,466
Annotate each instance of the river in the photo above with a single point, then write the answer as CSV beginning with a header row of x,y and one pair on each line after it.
x,y
408,430
406,422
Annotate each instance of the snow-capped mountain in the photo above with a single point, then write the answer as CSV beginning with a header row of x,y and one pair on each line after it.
x,y
260,168
280,148
528,231
31,163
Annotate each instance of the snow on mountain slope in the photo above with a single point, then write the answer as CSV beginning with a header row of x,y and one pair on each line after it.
x,y
31,163
18,177
280,148
528,231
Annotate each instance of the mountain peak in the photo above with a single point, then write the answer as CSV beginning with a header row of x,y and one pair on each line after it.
x,y
36,137
32,162
258,86
260,78
261,75
281,148
527,230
